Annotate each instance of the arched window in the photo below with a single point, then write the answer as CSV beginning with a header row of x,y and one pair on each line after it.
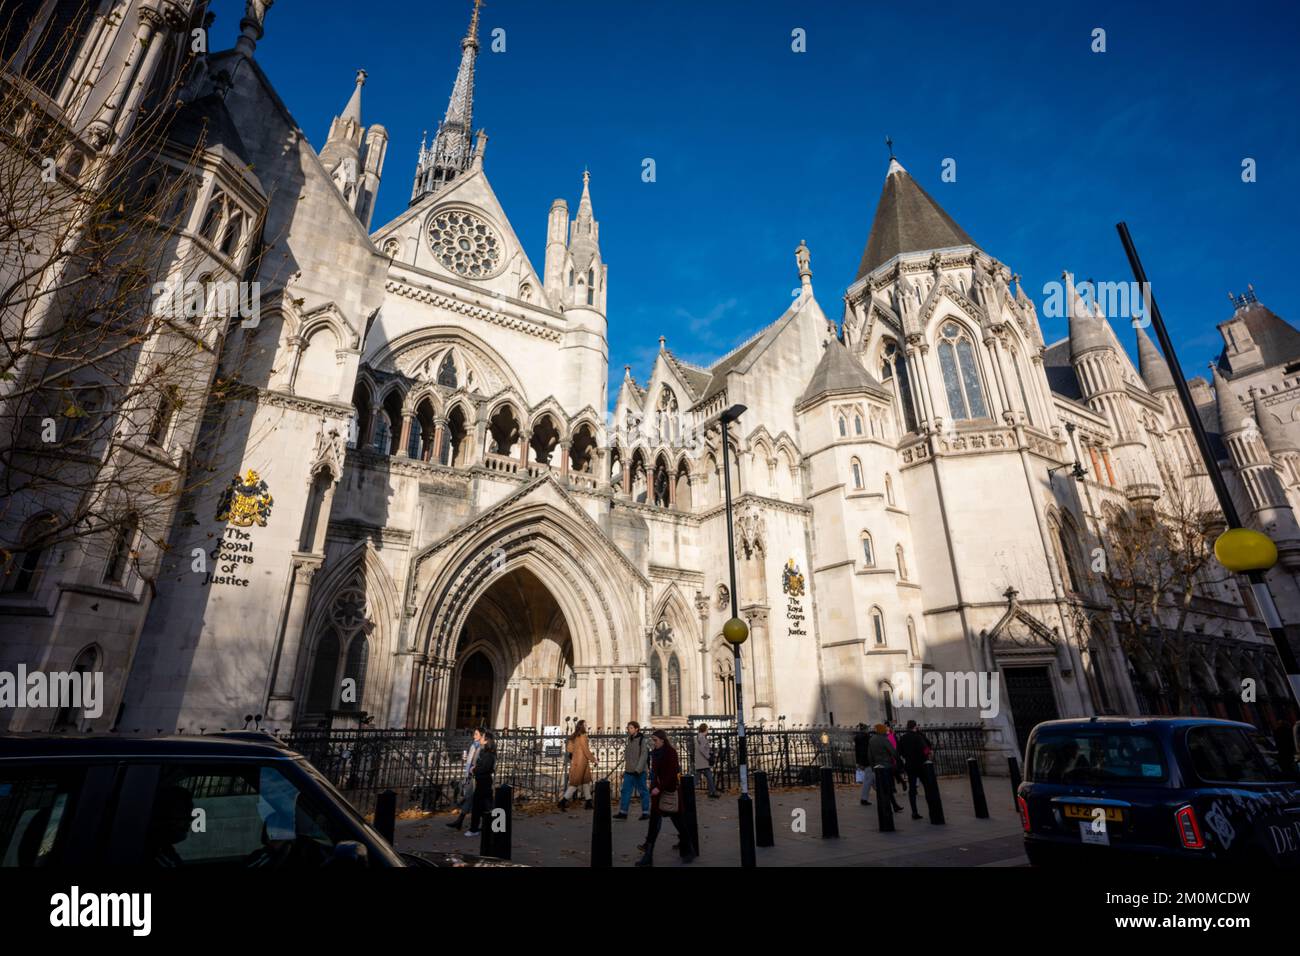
x,y
857,474
724,676
901,561
234,232
961,381
354,669
87,662
878,626
674,685
893,370
591,287
857,424
657,686
887,701
889,490
311,526
447,372
321,690
23,569
119,555
868,552
168,402
844,427
212,218
383,433
912,644
1069,559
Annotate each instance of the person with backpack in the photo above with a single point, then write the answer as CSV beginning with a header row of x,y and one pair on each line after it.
x,y
467,781
636,760
881,753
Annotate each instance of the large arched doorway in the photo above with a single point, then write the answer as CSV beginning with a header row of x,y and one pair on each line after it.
x,y
514,659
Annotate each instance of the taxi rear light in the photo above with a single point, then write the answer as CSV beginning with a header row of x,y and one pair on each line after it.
x,y
1189,831
1024,812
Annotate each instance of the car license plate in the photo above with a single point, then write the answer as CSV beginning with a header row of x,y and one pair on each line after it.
x,y
1099,837
1074,811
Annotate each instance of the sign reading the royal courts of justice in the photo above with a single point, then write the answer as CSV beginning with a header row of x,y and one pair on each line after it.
x,y
793,586
245,502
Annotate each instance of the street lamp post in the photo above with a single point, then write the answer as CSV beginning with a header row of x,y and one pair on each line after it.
x,y
1254,570
735,631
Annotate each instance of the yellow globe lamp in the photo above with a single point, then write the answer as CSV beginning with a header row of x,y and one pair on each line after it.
x,y
735,631
1244,549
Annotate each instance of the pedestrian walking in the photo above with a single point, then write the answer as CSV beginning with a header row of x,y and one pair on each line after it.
x,y
467,780
636,762
881,753
484,766
914,750
860,757
898,779
580,763
704,758
665,801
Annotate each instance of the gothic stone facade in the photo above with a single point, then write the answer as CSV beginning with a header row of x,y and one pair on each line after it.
x,y
461,534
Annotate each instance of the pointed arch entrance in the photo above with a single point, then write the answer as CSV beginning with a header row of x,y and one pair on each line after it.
x,y
558,609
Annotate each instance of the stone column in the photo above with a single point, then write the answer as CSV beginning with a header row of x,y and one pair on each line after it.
x,y
404,442
280,706
439,430
761,652
523,450
562,449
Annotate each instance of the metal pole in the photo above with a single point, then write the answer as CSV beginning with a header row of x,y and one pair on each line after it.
x,y
741,752
744,806
1258,583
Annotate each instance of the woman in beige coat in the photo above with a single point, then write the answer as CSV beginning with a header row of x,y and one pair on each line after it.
x,y
580,763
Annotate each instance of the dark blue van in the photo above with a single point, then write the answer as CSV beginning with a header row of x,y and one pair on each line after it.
x,y
1113,789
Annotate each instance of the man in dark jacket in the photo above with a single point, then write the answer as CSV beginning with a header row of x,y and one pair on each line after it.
x,y
913,750
860,741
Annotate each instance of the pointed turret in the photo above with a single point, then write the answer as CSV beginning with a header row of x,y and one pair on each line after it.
x,y
452,151
907,220
1227,407
837,372
355,168
1087,327
1271,430
1152,365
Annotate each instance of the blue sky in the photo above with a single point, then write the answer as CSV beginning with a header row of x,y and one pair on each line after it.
x,y
757,147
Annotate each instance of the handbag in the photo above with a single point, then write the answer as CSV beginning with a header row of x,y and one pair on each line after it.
x,y
667,802
859,775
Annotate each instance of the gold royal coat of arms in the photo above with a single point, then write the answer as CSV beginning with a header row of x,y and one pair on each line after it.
x,y
246,502
792,579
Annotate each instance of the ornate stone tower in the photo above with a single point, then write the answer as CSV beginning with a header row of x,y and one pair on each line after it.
x,y
576,278
356,168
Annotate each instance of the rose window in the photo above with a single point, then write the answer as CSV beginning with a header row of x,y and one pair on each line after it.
x,y
465,244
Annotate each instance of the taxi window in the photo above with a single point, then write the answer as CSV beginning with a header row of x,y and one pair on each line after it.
x,y
1089,755
1227,755
34,812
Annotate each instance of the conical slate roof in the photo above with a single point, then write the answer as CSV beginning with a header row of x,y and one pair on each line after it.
x,y
1273,431
1227,405
907,220
1277,339
1152,365
838,371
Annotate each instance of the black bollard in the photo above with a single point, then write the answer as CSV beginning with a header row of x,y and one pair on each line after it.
x,y
1013,767
884,798
485,835
504,801
933,802
977,789
386,814
602,838
830,814
689,835
763,810
745,817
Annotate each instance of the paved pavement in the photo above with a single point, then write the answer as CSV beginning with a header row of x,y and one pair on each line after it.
x,y
547,836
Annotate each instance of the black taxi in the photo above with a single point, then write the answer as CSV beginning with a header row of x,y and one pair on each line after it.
x,y
1108,789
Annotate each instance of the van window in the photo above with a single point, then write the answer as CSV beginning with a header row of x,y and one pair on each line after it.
x,y
1095,755
34,813
1227,755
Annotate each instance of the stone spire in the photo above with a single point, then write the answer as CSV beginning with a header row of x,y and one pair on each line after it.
x,y
1152,365
253,26
1226,405
452,151
1087,326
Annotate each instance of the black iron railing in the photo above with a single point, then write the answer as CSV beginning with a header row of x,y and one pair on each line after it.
x,y
426,767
